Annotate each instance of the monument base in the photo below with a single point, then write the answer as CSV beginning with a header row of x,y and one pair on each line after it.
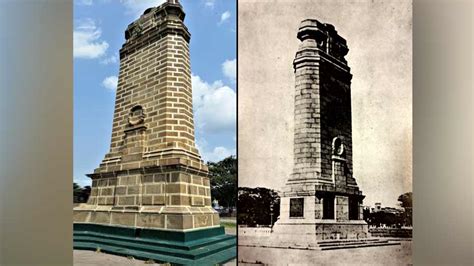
x,y
207,246
153,217
312,232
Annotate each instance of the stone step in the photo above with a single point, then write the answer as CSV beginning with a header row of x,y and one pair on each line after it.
x,y
216,257
276,244
351,243
333,241
324,245
361,245
203,247
132,244
163,243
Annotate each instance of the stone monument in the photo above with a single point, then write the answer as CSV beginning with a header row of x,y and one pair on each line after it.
x,y
321,199
150,196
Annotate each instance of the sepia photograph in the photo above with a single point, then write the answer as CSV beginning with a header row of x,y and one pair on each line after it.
x,y
325,132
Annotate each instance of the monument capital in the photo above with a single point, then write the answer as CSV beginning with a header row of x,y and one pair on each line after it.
x,y
322,36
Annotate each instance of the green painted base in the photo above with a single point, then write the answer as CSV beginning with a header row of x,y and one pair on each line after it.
x,y
198,247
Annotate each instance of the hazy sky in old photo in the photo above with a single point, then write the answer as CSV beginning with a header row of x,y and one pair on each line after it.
x,y
379,37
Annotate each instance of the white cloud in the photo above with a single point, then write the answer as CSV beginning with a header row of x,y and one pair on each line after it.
x,y
218,110
110,60
202,88
83,181
229,69
90,2
210,3
214,106
86,40
224,17
217,154
213,154
84,2
110,83
137,7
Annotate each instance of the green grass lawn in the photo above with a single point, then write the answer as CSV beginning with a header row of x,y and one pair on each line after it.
x,y
228,224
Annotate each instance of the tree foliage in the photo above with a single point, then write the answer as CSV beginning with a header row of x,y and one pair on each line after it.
x,y
256,206
223,176
390,219
406,201
384,218
81,194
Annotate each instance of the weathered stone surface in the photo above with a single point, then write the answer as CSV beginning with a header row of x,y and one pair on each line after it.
x,y
81,216
153,161
123,218
322,180
179,221
99,217
342,208
202,220
151,220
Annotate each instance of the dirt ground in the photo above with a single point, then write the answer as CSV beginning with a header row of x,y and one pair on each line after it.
x,y
383,255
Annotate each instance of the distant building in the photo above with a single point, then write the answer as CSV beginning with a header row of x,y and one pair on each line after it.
x,y
378,208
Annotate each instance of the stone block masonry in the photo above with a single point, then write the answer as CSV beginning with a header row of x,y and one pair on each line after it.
x,y
322,180
150,196
153,175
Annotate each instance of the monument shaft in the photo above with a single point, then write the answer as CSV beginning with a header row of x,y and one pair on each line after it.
x,y
150,196
321,198
153,175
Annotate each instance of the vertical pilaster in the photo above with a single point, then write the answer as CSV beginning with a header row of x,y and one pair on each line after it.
x,y
342,208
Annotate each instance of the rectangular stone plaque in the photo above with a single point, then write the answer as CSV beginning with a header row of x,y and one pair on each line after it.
x,y
297,207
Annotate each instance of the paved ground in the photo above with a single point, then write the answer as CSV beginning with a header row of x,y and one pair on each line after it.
x,y
84,257
90,258
384,255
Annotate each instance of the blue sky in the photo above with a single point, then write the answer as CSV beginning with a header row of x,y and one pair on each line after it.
x,y
99,27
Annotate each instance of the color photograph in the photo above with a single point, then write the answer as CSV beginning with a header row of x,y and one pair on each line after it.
x,y
155,176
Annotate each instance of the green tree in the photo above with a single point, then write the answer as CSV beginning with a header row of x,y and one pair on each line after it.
x,y
76,192
86,192
80,194
223,176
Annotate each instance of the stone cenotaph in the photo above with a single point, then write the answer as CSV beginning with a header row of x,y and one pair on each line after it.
x,y
321,199
150,196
